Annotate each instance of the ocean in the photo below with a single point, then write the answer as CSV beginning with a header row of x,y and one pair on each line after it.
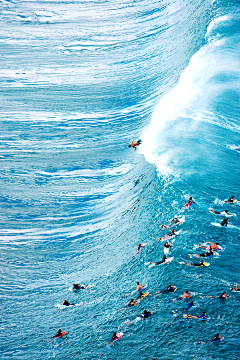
x,y
79,80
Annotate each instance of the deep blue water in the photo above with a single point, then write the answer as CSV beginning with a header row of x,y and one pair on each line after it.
x,y
79,80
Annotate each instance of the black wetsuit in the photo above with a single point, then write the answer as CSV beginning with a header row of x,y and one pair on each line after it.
x,y
170,289
161,261
230,200
146,315
57,335
198,265
224,222
172,234
210,253
216,338
67,303
78,287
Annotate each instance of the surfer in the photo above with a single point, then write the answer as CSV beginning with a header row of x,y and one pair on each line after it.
x,y
134,144
140,246
213,245
172,233
186,295
66,303
224,296
209,253
202,263
59,333
225,222
173,221
167,246
170,288
164,259
235,289
140,287
202,317
78,286
132,303
114,337
146,314
190,201
217,338
231,200
225,212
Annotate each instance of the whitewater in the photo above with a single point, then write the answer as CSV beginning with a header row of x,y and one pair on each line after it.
x,y
79,80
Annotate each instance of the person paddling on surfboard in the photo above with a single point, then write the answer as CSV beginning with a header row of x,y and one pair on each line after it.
x,y
164,259
225,222
167,245
59,334
202,263
146,314
172,233
66,303
190,202
224,296
213,245
186,295
231,200
134,144
209,253
225,212
217,338
79,286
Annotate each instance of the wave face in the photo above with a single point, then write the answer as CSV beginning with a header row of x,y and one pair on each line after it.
x,y
79,80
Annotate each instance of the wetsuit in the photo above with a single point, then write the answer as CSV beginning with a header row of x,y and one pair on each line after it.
x,y
198,265
224,222
203,317
170,289
172,234
57,335
230,200
139,142
160,262
114,337
210,253
67,303
78,287
174,221
216,338
167,246
146,315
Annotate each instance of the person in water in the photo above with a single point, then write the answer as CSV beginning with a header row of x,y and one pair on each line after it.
x,y
167,245
202,263
140,246
225,222
132,303
225,212
235,289
190,305
146,314
172,233
59,333
173,221
231,199
114,337
213,245
217,338
164,259
186,295
78,286
190,201
224,296
202,317
170,288
140,287
209,253
134,144
66,303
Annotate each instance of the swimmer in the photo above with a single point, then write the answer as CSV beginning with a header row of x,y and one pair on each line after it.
x,y
225,212
224,295
235,289
134,144
190,305
225,222
66,303
186,295
79,286
217,338
231,199
202,263
140,246
209,253
59,333
146,314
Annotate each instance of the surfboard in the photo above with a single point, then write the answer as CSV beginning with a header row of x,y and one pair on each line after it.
x,y
119,335
229,202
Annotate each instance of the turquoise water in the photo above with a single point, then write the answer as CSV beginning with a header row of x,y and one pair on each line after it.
x,y
79,80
